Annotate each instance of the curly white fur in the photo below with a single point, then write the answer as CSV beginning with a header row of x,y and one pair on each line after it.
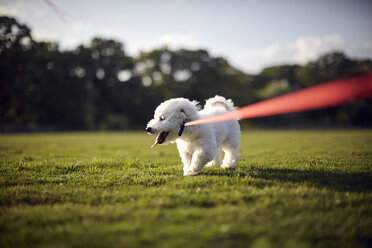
x,y
198,145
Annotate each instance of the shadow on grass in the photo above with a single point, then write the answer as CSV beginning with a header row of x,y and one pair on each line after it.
x,y
336,180
341,181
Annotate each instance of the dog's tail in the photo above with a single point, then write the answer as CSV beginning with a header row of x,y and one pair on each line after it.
x,y
220,101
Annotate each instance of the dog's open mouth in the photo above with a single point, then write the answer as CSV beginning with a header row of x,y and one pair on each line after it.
x,y
160,139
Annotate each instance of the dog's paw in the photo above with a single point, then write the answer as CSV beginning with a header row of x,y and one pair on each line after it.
x,y
191,173
228,166
212,164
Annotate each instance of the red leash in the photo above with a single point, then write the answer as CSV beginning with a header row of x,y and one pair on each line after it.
x,y
320,96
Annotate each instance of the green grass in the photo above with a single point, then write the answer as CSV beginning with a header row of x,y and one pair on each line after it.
x,y
291,189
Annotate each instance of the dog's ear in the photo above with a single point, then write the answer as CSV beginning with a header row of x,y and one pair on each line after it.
x,y
183,112
196,105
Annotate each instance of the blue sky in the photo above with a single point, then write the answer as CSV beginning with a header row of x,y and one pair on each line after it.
x,y
251,34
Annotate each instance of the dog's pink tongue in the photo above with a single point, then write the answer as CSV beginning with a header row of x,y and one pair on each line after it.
x,y
156,141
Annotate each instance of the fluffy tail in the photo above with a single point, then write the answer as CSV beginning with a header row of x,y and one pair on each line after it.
x,y
220,101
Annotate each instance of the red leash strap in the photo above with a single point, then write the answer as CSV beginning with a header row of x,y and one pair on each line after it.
x,y
320,96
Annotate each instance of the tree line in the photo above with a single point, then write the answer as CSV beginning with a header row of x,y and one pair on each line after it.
x,y
99,87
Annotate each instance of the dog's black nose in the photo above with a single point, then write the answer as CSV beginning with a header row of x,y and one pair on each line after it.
x,y
149,129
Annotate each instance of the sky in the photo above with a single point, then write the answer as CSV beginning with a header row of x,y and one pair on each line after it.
x,y
250,34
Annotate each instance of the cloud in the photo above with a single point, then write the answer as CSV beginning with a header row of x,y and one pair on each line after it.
x,y
310,48
21,9
40,35
77,27
173,41
11,10
300,51
363,51
181,40
254,59
69,37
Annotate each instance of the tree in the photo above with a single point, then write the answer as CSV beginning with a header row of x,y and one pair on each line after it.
x,y
97,86
16,86
191,74
98,66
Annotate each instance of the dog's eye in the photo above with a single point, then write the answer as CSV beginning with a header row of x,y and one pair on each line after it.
x,y
161,118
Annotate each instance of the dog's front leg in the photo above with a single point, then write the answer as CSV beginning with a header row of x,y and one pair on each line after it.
x,y
199,159
186,156
186,160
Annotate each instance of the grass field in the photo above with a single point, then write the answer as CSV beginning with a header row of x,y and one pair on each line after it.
x,y
291,189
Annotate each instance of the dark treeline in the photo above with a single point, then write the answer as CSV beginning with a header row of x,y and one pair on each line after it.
x,y
99,87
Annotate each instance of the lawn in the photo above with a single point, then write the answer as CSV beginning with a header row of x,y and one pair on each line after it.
x,y
308,188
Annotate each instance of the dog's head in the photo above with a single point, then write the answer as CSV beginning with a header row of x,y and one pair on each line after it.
x,y
170,118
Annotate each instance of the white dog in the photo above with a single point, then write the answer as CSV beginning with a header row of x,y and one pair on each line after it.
x,y
198,145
